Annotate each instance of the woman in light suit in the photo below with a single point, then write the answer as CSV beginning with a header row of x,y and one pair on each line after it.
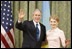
x,y
55,36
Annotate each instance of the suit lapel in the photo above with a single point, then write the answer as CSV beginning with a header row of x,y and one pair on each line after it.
x,y
34,30
41,32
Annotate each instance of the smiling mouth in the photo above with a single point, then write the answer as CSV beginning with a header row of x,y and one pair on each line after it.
x,y
38,19
53,25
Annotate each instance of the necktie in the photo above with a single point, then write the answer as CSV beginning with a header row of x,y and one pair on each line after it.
x,y
37,30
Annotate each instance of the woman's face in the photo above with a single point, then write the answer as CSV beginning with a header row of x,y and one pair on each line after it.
x,y
53,23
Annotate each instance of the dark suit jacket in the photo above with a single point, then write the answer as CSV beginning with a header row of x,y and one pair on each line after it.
x,y
29,34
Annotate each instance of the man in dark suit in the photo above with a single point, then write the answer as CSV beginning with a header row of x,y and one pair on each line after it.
x,y
34,33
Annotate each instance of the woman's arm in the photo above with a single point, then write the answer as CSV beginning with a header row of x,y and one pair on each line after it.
x,y
67,43
62,38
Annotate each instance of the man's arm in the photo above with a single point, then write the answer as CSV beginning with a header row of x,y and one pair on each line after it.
x,y
19,24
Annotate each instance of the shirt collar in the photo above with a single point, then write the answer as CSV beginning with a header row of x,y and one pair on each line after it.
x,y
35,23
55,29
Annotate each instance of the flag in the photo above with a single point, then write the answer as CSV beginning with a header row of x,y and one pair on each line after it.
x,y
7,27
45,16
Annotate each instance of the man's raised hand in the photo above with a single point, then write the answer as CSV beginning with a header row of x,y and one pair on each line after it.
x,y
21,15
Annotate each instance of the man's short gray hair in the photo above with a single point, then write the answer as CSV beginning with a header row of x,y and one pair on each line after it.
x,y
36,10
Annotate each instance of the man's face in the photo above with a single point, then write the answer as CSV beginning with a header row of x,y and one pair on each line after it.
x,y
37,16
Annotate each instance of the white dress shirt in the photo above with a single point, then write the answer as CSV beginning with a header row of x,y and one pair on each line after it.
x,y
54,37
38,27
